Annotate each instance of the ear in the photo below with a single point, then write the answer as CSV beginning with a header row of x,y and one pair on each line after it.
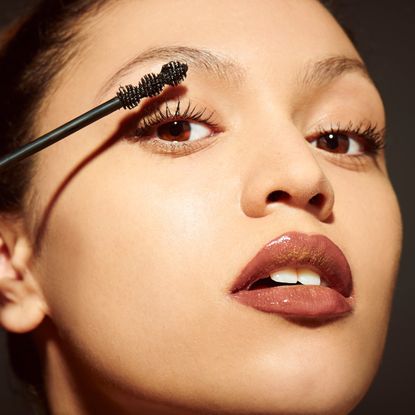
x,y
22,306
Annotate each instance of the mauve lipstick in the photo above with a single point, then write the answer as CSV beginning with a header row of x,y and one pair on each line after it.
x,y
298,250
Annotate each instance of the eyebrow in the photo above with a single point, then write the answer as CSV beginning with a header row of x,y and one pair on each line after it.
x,y
324,71
314,74
221,66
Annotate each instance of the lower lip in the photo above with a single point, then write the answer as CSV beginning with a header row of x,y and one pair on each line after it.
x,y
297,301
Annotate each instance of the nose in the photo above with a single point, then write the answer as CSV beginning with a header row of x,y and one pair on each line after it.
x,y
285,172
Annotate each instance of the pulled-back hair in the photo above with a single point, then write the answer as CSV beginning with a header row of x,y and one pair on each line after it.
x,y
33,52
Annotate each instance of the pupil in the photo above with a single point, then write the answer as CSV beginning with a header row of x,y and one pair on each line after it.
x,y
175,131
176,128
332,141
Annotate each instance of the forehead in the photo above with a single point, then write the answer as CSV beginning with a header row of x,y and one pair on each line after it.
x,y
272,42
275,36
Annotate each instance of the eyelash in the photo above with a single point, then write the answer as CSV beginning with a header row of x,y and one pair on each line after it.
x,y
373,138
163,115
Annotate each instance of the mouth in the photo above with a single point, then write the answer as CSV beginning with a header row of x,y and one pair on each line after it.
x,y
297,275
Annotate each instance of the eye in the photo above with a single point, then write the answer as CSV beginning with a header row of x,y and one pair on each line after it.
x,y
176,130
182,130
338,142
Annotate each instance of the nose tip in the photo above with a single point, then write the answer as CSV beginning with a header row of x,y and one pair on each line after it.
x,y
283,170
300,184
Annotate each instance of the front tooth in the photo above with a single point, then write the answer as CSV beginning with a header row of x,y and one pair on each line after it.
x,y
308,277
287,275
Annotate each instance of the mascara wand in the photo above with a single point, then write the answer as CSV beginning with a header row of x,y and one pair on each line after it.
x,y
127,97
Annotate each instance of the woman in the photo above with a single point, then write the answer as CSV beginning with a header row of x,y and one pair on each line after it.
x,y
137,253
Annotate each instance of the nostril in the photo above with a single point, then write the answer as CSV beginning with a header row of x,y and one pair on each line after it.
x,y
317,200
276,196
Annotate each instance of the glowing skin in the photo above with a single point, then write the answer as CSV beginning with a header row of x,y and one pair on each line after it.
x,y
140,247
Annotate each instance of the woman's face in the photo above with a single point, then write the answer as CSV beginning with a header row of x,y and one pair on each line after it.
x,y
142,240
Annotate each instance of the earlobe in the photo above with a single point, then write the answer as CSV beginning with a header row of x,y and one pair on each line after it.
x,y
22,307
20,310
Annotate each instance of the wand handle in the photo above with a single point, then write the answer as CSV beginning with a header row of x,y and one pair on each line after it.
x,y
61,132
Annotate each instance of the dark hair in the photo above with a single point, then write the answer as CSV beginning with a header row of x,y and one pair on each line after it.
x,y
34,50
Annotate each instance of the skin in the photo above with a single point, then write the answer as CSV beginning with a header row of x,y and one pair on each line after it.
x,y
128,297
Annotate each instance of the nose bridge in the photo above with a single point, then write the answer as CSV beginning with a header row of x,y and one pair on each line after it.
x,y
282,169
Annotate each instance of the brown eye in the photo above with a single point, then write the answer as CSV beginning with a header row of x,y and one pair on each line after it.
x,y
337,143
174,131
182,130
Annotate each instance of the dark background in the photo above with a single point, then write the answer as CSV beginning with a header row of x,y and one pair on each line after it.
x,y
384,31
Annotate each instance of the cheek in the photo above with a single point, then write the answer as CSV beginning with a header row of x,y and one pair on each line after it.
x,y
138,261
370,221
127,253
137,265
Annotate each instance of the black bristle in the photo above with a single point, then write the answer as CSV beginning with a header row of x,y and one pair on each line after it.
x,y
173,73
150,85
128,96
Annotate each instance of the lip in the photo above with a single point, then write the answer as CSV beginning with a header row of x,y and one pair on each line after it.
x,y
295,250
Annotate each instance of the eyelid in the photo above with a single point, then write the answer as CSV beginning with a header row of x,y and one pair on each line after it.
x,y
164,113
371,136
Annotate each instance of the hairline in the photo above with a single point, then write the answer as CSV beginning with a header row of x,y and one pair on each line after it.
x,y
64,56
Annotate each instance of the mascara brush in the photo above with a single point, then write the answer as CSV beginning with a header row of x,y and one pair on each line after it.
x,y
127,97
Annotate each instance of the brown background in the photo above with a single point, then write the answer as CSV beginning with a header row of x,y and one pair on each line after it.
x,y
385,33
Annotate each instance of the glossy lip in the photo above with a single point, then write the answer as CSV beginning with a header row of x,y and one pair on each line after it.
x,y
295,249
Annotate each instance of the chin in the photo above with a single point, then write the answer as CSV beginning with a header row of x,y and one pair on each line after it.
x,y
333,385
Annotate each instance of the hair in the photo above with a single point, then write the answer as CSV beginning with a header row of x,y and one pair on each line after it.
x,y
34,51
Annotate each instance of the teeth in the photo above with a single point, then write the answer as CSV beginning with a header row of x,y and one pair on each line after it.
x,y
308,277
287,275
292,275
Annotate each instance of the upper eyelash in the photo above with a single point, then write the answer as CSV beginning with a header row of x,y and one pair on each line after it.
x,y
373,136
159,116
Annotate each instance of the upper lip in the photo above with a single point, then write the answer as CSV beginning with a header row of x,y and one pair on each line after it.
x,y
294,250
